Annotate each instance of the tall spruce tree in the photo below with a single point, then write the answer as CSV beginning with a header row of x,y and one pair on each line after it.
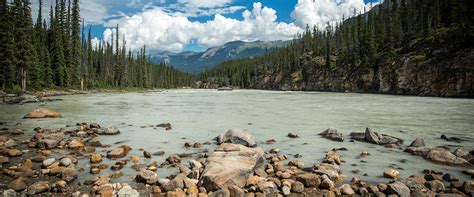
x,y
7,47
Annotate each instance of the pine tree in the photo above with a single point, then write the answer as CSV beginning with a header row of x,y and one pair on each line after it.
x,y
57,52
26,55
76,45
7,47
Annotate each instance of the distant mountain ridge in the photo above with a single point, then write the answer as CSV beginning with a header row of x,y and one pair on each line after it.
x,y
196,62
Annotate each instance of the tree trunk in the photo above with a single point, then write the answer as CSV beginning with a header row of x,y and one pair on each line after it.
x,y
23,80
82,84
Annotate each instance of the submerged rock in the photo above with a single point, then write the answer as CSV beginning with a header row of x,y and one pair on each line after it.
x,y
332,134
237,136
43,113
292,135
229,165
451,139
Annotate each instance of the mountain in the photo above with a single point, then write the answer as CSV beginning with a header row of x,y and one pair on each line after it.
x,y
196,62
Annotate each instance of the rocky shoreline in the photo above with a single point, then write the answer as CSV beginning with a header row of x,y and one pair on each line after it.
x,y
49,162
48,95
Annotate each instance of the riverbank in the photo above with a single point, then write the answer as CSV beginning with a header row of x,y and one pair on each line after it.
x,y
46,161
44,95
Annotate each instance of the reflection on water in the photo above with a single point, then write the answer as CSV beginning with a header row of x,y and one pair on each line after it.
x,y
200,115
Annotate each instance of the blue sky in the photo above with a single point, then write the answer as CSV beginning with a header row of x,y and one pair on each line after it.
x,y
180,25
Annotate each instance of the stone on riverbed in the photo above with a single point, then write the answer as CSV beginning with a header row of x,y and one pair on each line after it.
x,y
375,138
4,160
398,188
418,142
421,151
127,191
229,165
309,180
38,187
391,173
443,156
13,152
48,162
18,184
147,176
42,113
332,134
110,130
237,136
47,143
118,152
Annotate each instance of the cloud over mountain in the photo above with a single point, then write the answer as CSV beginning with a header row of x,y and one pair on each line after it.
x,y
161,30
320,12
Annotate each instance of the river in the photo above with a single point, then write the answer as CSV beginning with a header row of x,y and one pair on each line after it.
x,y
200,115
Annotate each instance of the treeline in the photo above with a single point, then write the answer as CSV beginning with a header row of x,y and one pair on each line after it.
x,y
54,52
368,40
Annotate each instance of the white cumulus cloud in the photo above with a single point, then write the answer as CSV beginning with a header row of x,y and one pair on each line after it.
x,y
164,31
320,12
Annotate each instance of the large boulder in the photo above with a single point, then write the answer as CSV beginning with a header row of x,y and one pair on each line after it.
x,y
371,136
230,165
443,156
399,189
381,139
237,136
332,134
43,113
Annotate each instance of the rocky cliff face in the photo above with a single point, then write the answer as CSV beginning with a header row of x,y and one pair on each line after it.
x,y
431,67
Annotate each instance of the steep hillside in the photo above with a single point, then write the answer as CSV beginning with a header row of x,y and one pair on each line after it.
x,y
195,62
